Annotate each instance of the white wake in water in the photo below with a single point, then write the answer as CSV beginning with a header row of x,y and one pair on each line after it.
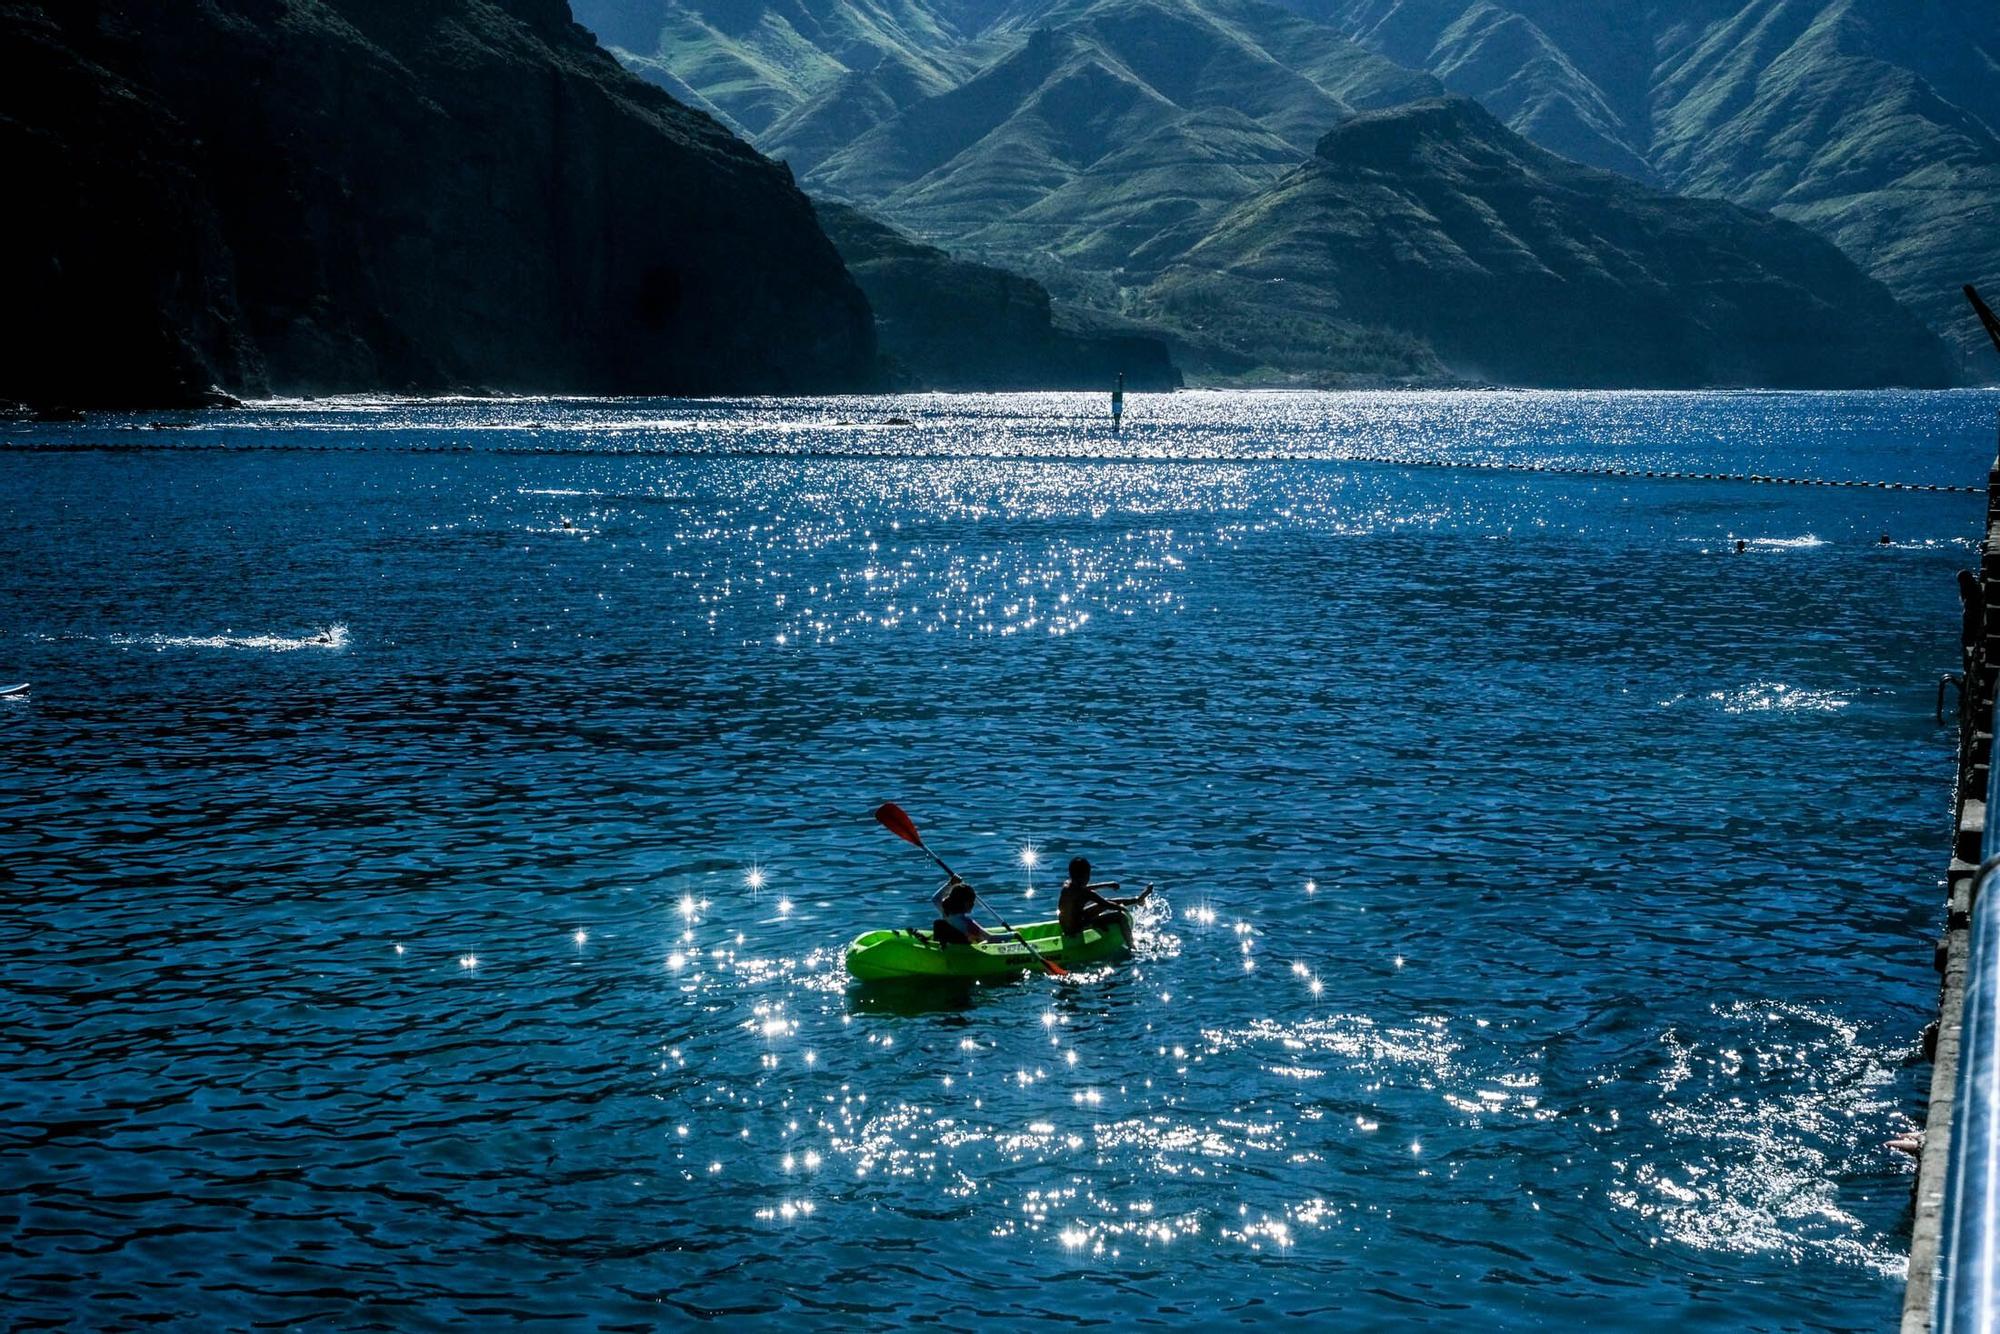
x,y
1806,543
1766,697
1762,1123
333,637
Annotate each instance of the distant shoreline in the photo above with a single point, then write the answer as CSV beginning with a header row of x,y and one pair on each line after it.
x,y
18,415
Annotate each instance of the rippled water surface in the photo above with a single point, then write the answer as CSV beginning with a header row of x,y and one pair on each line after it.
x,y
432,832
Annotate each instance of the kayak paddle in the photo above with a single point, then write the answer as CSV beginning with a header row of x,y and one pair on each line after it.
x,y
902,826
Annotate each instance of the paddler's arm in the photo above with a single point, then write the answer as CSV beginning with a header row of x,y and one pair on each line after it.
x,y
1132,902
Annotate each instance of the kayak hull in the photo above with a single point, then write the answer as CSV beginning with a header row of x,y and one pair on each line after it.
x,y
904,956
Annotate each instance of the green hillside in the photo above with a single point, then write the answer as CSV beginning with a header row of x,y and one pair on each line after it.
x,y
1120,122
760,60
849,107
1434,227
1875,124
1089,143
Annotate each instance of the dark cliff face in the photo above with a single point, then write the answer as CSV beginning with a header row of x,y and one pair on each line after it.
x,y
948,323
350,195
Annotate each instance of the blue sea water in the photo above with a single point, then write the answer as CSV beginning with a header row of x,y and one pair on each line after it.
x,y
430,839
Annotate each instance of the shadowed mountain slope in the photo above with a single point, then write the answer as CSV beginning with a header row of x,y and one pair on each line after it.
x,y
946,323
1435,226
392,194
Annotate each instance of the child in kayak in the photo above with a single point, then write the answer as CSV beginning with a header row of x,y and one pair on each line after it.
x,y
1082,906
955,925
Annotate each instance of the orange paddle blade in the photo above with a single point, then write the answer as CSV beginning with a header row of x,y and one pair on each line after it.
x,y
896,822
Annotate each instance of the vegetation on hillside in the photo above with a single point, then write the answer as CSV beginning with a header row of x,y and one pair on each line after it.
x,y
1091,143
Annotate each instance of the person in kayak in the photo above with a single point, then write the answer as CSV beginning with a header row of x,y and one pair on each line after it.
x,y
1082,906
955,925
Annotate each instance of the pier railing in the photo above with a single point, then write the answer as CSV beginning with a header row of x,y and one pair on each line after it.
x,y
1968,1294
1955,1228
1955,1233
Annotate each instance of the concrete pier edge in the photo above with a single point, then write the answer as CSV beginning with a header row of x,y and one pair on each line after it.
x,y
1975,753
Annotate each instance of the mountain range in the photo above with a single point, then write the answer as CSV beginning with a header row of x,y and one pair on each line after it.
x,y
1091,142
308,196
1875,123
1432,230
1062,137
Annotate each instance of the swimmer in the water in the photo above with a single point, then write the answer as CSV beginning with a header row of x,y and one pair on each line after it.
x,y
1741,546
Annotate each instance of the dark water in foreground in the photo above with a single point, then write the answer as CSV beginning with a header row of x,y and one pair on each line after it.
x,y
1548,894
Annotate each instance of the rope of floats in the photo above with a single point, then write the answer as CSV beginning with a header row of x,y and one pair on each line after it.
x,y
1376,460
1659,474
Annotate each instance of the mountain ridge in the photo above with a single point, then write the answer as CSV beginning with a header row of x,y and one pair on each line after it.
x,y
1875,125
1069,151
1877,129
1435,226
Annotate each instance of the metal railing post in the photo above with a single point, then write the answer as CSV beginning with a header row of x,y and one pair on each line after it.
x,y
1969,1272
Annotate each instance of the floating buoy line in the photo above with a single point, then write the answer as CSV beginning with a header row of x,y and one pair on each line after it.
x,y
1658,474
1374,460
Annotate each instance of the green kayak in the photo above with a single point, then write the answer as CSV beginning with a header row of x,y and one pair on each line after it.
x,y
887,956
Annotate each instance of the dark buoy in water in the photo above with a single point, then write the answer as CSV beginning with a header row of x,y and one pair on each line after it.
x,y
1882,541
1118,403
1741,546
